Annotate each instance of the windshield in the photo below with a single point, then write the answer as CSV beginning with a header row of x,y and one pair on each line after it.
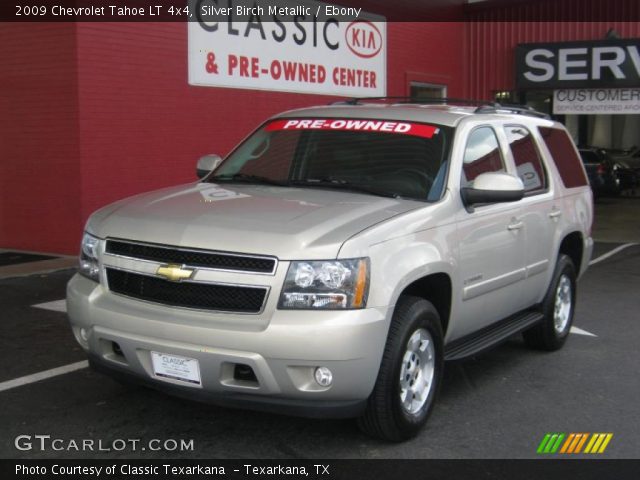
x,y
388,158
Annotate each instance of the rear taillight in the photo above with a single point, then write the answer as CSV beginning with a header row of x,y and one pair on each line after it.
x,y
602,169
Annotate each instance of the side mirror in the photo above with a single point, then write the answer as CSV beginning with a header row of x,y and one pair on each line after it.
x,y
493,187
207,164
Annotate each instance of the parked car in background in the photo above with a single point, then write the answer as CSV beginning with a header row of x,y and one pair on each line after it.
x,y
628,167
607,176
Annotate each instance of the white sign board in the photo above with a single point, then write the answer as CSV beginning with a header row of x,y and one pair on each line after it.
x,y
597,101
279,45
529,176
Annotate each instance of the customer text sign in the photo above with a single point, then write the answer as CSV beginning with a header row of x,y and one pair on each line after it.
x,y
611,101
279,45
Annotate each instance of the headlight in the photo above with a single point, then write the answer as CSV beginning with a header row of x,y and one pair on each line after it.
x,y
89,257
330,284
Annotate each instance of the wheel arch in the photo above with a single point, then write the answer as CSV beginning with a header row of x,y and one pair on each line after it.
x,y
572,245
435,288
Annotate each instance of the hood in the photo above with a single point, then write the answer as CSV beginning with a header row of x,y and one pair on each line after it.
x,y
290,223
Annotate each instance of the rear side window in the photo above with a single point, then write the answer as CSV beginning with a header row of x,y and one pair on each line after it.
x,y
527,159
564,156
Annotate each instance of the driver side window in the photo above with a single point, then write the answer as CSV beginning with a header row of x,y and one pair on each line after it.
x,y
481,155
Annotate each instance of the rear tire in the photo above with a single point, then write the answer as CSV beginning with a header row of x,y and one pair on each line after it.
x,y
410,373
558,308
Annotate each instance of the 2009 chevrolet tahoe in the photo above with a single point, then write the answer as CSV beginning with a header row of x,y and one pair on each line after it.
x,y
337,257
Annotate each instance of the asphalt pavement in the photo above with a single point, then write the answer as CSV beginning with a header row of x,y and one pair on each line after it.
x,y
497,405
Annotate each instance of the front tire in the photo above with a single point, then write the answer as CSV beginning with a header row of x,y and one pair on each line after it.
x,y
558,308
410,373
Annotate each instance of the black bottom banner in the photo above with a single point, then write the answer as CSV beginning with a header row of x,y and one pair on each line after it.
x,y
322,469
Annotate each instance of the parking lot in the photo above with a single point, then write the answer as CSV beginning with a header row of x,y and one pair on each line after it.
x,y
497,405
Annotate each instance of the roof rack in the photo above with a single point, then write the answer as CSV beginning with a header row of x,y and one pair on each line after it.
x,y
483,106
510,108
426,100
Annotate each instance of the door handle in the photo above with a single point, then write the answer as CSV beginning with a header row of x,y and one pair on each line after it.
x,y
515,226
555,213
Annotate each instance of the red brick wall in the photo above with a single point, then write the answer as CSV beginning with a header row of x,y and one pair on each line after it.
x,y
130,122
39,159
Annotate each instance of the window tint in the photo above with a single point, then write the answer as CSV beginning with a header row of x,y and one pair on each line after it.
x,y
481,155
527,159
564,156
410,164
270,155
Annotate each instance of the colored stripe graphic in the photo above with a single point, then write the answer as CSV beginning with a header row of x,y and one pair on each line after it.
x,y
605,443
581,442
570,438
573,443
551,442
543,443
598,442
556,445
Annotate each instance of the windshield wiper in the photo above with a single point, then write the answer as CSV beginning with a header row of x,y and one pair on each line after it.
x,y
340,183
246,178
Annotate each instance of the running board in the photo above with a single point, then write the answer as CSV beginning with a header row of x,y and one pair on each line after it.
x,y
491,335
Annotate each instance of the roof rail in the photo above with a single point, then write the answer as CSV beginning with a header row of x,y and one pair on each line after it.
x,y
421,100
483,106
510,108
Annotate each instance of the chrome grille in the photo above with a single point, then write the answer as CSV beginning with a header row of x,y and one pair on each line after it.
x,y
192,257
203,296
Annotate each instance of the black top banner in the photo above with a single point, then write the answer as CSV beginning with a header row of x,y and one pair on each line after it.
x,y
424,11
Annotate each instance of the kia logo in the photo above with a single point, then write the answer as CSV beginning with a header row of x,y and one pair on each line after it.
x,y
363,38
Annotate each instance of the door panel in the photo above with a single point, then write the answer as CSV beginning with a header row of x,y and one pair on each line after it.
x,y
491,242
492,267
539,214
540,224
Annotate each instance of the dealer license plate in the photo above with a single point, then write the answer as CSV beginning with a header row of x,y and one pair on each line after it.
x,y
176,368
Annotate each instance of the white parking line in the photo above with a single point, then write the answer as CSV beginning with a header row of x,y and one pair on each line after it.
x,y
579,331
36,377
611,253
56,305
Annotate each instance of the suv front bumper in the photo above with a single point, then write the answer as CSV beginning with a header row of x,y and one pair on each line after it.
x,y
283,355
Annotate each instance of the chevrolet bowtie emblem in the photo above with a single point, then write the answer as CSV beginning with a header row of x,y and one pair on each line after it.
x,y
175,273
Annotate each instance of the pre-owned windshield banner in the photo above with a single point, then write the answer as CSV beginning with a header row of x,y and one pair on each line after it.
x,y
350,124
303,46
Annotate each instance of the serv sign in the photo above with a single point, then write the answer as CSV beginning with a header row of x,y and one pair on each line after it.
x,y
279,45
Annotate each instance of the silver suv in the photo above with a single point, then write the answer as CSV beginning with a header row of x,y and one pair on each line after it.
x,y
337,257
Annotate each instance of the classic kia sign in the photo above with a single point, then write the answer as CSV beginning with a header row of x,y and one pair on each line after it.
x,y
279,45
590,64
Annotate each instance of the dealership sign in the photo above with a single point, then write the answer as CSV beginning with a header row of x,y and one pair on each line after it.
x,y
592,64
596,101
279,45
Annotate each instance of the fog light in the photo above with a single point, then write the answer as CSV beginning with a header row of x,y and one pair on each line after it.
x,y
84,335
324,377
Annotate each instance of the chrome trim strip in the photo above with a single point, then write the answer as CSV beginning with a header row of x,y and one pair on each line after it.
x,y
195,250
267,291
493,284
536,268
